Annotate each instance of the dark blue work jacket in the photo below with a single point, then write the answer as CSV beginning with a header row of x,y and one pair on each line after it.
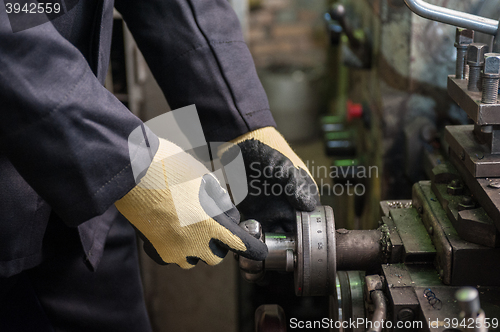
x,y
63,136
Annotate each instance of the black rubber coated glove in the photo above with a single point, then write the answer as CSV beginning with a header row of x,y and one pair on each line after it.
x,y
278,180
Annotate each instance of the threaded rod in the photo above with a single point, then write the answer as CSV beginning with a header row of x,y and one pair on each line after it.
x,y
474,78
490,90
460,65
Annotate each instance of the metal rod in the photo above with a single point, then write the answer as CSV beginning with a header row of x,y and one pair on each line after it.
x,y
358,249
453,17
380,312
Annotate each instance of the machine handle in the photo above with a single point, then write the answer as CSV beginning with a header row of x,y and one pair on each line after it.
x,y
453,17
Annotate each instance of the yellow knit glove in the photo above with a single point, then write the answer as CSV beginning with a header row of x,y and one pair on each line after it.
x,y
183,213
278,180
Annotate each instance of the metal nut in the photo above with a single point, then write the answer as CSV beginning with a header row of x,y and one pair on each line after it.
x,y
455,187
253,227
492,64
466,203
464,37
475,54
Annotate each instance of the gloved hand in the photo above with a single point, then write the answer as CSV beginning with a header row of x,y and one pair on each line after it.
x,y
278,180
183,214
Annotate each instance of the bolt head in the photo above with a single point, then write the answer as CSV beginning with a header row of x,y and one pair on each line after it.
x,y
406,315
464,36
492,63
475,53
253,227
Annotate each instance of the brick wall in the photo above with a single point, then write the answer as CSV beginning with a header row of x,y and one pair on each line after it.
x,y
287,32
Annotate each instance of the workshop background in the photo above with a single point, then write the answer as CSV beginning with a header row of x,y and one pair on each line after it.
x,y
383,82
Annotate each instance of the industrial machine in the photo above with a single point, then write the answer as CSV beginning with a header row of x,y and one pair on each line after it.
x,y
433,264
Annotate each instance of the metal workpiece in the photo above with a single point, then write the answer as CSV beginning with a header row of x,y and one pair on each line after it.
x,y
491,75
463,38
281,249
475,60
453,17
359,249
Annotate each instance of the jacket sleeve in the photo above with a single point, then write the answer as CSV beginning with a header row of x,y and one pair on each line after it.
x,y
61,129
197,54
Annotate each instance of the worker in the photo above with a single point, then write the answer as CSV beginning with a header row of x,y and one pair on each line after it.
x,y
70,205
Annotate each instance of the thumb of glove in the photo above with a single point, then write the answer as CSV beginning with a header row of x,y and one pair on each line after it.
x,y
217,204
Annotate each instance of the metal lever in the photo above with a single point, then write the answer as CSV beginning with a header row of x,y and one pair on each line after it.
x,y
453,17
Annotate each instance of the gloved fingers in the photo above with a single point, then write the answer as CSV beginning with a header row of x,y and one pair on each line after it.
x,y
253,248
212,257
149,249
267,167
215,200
207,258
301,191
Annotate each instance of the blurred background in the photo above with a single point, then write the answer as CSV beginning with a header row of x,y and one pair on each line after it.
x,y
351,86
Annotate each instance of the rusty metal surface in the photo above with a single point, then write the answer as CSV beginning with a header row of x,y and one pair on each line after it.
x,y
417,243
458,262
